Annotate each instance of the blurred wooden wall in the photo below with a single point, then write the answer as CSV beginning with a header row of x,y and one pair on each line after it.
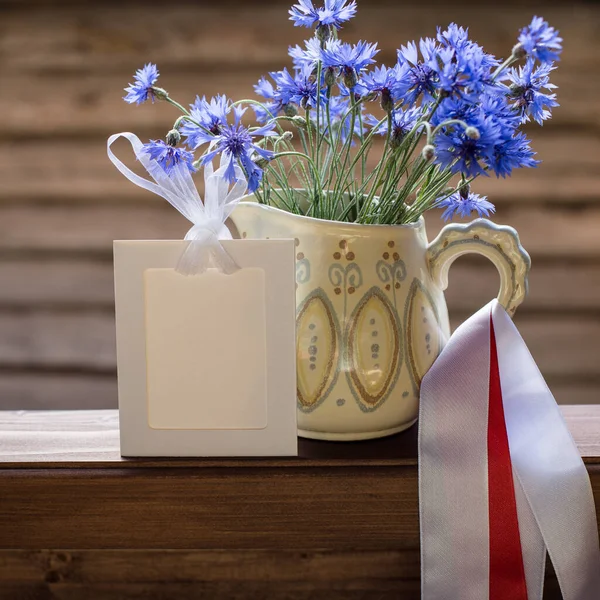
x,y
62,69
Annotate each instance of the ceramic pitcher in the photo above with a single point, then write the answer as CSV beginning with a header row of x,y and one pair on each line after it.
x,y
371,314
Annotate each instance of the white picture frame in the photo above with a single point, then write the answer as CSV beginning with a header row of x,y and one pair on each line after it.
x,y
139,269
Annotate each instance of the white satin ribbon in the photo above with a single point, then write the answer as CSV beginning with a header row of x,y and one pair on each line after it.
x,y
555,505
179,190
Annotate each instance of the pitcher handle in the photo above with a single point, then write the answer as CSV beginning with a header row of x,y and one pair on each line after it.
x,y
499,243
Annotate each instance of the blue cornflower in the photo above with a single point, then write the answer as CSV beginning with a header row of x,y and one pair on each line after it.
x,y
463,72
236,143
301,88
349,59
141,90
309,55
541,41
467,155
387,83
513,151
403,122
274,104
455,108
332,15
464,203
461,66
453,37
211,116
526,91
457,38
168,157
495,103
420,78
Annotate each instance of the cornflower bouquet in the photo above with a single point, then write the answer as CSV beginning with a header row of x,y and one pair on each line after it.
x,y
447,112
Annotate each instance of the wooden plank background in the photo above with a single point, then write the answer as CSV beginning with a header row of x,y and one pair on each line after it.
x,y
62,69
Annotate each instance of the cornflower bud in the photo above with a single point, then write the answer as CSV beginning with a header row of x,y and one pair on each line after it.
x,y
349,76
173,137
516,90
324,33
299,122
286,136
387,103
396,139
262,163
159,93
472,133
519,51
290,110
428,152
330,76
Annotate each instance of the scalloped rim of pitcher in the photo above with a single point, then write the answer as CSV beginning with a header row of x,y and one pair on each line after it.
x,y
417,225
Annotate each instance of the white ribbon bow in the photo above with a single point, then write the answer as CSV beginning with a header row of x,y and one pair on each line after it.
x,y
461,553
208,217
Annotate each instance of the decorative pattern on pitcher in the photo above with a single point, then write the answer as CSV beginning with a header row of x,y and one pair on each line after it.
x,y
373,350
391,271
345,280
302,266
302,269
318,350
423,332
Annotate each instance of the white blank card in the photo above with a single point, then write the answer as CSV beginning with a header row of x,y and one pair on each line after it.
x,y
206,363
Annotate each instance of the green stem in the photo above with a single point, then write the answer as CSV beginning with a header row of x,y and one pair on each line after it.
x,y
367,206
512,59
318,136
182,118
308,159
176,104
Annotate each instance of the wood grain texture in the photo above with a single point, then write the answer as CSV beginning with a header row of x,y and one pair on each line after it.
x,y
32,108
92,229
63,66
40,281
38,388
79,171
206,574
216,508
214,575
85,340
340,521
203,34
89,439
43,389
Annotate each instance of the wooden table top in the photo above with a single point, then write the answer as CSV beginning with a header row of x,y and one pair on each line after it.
x,y
90,439
339,522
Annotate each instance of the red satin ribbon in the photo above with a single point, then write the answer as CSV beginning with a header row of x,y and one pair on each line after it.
x,y
507,573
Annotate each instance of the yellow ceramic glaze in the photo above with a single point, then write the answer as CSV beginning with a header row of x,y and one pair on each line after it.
x,y
371,315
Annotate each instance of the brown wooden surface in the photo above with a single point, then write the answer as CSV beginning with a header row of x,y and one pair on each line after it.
x,y
214,575
90,439
338,522
63,65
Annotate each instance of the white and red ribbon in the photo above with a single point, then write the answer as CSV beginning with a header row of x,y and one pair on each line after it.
x,y
501,481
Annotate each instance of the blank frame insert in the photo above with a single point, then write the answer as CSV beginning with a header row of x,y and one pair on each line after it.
x,y
206,349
